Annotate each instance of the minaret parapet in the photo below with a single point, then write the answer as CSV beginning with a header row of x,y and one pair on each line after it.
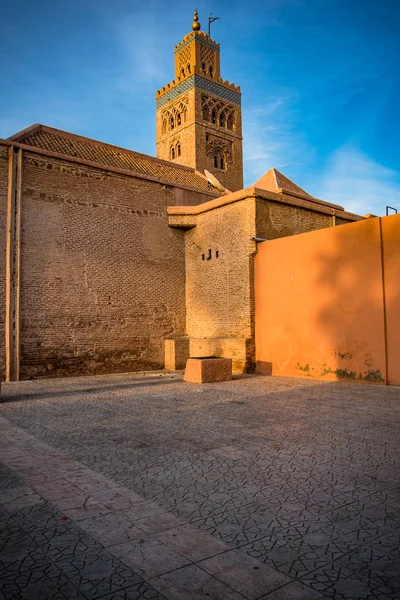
x,y
200,36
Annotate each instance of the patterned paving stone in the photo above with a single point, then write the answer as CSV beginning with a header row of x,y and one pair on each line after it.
x,y
65,540
98,574
302,548
371,571
302,476
38,517
341,583
26,572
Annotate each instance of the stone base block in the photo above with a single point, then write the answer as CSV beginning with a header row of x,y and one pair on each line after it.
x,y
208,369
240,350
176,353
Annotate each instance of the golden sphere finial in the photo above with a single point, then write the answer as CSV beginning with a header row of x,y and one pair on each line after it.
x,y
196,25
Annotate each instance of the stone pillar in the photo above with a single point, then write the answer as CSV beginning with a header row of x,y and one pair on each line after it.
x,y
176,353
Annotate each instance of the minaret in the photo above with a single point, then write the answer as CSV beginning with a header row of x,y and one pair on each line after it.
x,y
199,120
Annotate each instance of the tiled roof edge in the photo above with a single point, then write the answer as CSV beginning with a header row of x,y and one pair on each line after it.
x,y
67,135
103,167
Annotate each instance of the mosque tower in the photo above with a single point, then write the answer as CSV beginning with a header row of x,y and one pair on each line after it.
x,y
198,114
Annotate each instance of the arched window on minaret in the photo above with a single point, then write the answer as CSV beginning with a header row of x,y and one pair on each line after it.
x,y
203,66
188,68
211,71
172,153
178,119
219,159
222,119
178,150
214,117
183,72
172,123
229,122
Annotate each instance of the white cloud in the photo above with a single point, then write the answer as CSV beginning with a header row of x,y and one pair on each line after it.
x,y
359,184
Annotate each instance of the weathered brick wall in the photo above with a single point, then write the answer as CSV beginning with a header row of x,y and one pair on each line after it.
x,y
3,221
218,291
102,273
276,220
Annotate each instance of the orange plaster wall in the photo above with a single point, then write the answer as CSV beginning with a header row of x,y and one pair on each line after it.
x,y
319,304
391,268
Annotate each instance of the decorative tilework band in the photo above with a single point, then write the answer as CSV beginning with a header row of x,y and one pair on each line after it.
x,y
203,84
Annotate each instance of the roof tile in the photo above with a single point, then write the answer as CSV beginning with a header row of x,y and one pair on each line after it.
x,y
68,144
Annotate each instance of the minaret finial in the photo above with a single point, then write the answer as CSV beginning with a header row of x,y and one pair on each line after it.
x,y
196,25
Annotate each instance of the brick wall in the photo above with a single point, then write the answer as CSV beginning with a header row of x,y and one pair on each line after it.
x,y
3,222
276,220
102,274
219,291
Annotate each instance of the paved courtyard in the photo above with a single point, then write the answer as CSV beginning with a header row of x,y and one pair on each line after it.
x,y
131,487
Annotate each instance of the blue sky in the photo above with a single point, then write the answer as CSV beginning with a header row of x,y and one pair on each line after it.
x,y
320,81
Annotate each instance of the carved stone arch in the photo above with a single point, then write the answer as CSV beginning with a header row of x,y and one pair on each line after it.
x,y
219,153
230,121
175,148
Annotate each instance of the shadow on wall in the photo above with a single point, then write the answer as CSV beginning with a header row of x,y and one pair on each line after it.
x,y
327,303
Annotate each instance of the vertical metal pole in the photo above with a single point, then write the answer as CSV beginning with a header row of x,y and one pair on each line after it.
x,y
13,264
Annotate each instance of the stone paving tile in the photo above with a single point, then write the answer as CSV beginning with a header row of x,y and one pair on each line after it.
x,y
294,591
193,583
20,497
148,556
191,543
8,479
151,518
111,529
232,529
302,548
99,574
15,546
340,583
65,540
244,574
370,571
38,517
35,577
8,525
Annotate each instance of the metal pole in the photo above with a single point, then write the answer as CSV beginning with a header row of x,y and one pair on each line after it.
x,y
211,19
